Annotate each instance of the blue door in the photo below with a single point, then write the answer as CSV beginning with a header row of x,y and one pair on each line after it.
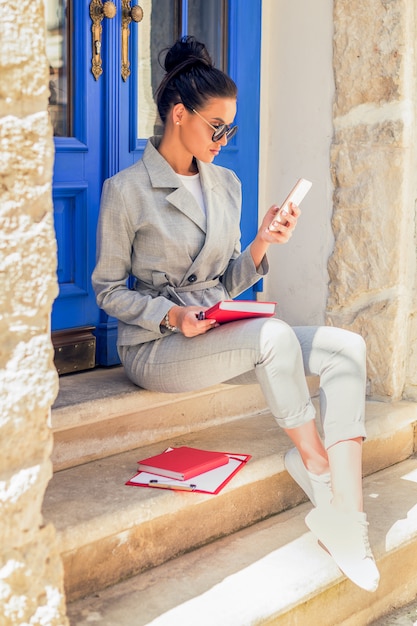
x,y
104,69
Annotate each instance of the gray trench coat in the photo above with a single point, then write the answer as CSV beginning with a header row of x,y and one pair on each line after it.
x,y
152,228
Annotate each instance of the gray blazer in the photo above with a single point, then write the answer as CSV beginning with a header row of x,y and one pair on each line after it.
x,y
152,228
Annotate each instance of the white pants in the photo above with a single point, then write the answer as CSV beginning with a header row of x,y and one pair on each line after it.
x,y
269,351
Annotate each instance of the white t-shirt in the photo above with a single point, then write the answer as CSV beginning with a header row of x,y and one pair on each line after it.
x,y
193,184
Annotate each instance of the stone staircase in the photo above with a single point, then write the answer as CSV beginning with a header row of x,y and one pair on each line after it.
x,y
142,557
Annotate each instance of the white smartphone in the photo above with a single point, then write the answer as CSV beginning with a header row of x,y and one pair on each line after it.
x,y
296,195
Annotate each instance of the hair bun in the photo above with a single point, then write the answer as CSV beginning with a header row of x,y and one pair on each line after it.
x,y
190,78
186,52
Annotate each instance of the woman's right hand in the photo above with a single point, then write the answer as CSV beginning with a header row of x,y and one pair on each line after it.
x,y
185,318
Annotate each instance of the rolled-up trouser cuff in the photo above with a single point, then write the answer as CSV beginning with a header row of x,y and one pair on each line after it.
x,y
300,419
344,433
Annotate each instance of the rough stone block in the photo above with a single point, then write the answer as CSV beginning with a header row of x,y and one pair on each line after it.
x,y
23,65
381,324
30,583
370,40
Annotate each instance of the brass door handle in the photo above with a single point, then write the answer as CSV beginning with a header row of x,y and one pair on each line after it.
x,y
129,14
98,11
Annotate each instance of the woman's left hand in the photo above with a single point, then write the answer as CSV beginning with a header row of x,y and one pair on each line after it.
x,y
284,231
282,234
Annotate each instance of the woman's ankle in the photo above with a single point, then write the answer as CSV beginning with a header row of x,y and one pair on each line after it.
x,y
347,504
317,465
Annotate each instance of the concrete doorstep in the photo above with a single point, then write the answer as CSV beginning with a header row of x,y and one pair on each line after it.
x,y
274,573
108,531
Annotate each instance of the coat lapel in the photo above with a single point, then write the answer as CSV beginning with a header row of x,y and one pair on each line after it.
x,y
162,175
213,192
220,223
185,202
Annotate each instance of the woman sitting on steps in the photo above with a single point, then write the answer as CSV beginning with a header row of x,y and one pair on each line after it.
x,y
172,222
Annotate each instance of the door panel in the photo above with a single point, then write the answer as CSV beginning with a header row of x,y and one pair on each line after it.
x,y
77,171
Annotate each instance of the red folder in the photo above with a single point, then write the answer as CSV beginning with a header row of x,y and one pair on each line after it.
x,y
211,482
232,310
183,463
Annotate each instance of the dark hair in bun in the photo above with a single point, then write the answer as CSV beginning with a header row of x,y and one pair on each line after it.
x,y
191,78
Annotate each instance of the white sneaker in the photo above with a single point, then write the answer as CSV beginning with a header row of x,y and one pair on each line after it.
x,y
317,487
345,537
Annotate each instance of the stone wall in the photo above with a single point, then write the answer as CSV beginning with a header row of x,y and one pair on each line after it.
x,y
31,590
373,266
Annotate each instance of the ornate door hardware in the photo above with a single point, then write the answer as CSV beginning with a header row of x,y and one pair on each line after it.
x,y
98,11
129,14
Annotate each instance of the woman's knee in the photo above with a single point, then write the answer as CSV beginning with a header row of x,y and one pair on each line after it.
x,y
352,346
278,338
341,355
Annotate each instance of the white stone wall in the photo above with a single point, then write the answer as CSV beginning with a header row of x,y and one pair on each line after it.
x,y
297,93
30,567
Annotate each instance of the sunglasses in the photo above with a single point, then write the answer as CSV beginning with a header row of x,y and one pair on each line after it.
x,y
219,131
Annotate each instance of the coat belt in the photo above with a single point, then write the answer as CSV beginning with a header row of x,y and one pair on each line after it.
x,y
172,293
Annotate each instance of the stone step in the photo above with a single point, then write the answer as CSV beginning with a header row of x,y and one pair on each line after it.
x,y
108,531
100,413
274,573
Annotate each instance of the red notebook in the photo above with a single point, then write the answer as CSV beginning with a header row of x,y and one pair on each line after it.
x,y
211,482
231,310
183,463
